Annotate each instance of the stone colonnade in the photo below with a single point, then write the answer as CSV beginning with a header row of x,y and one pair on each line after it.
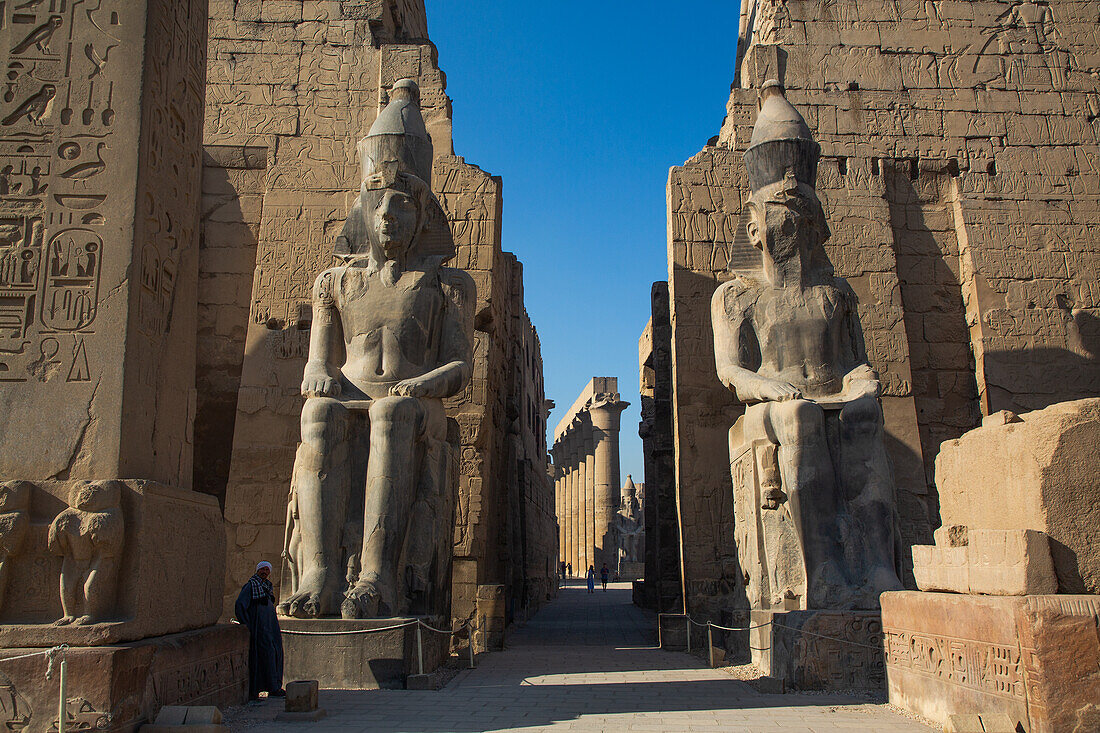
x,y
586,475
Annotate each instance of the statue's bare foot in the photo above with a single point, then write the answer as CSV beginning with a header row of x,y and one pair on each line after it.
x,y
83,620
363,601
311,601
64,621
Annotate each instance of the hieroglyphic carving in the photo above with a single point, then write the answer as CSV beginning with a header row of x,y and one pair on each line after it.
x,y
203,678
993,668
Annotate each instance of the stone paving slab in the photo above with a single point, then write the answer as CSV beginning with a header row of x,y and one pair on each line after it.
x,y
586,663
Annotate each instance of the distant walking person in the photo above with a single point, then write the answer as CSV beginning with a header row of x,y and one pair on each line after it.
x,y
569,570
604,573
255,609
590,576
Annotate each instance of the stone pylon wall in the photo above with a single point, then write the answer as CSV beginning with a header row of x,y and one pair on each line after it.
x,y
292,88
959,176
100,132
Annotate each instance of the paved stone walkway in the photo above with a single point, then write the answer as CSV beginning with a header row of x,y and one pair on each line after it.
x,y
586,663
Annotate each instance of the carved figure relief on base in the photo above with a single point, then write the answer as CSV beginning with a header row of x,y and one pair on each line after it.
x,y
89,536
371,512
815,490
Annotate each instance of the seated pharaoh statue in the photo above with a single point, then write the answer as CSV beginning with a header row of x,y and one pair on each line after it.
x,y
371,511
813,485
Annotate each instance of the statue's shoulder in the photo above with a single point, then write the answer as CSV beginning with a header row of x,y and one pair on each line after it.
x,y
738,295
458,285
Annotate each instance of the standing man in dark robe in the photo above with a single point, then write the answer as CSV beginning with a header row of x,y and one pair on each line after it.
x,y
256,609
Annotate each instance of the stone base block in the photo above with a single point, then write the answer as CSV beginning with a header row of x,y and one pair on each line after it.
x,y
161,532
352,659
1035,659
819,650
998,562
119,687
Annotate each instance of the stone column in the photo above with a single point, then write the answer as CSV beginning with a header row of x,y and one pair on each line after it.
x,y
605,412
559,514
590,497
582,500
573,505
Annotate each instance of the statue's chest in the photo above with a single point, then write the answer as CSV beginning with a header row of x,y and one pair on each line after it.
x,y
409,310
806,316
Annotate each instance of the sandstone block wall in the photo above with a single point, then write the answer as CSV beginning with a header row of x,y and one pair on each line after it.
x,y
293,86
959,178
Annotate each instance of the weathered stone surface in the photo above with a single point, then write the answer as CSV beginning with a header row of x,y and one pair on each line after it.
x,y
1035,659
302,696
117,688
586,457
186,719
1052,485
818,650
812,482
304,91
988,561
145,540
350,656
958,174
661,590
99,204
374,431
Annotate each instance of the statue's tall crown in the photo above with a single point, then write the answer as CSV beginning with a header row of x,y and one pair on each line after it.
x,y
398,141
781,142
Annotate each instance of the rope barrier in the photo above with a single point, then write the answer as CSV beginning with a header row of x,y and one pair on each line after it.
x,y
349,632
760,626
47,652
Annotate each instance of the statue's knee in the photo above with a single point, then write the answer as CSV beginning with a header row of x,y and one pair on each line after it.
x,y
402,410
802,419
863,414
320,417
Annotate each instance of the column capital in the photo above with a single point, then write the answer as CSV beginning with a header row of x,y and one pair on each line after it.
x,y
605,411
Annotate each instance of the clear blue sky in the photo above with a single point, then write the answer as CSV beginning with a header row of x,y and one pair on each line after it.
x,y
582,108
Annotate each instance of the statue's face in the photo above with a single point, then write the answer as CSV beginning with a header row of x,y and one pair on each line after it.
x,y
784,222
393,222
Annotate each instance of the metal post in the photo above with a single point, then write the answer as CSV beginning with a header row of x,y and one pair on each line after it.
x,y
471,638
419,649
687,622
61,726
660,638
710,645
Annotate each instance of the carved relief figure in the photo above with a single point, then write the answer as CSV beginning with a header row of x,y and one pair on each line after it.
x,y
15,499
89,536
788,343
390,340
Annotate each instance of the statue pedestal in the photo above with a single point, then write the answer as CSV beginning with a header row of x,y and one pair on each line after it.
x,y
348,655
118,687
819,650
1033,658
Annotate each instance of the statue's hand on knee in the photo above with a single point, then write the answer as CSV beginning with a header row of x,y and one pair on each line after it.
x,y
416,387
319,383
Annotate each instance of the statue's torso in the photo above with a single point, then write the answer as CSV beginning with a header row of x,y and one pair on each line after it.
x,y
800,332
391,332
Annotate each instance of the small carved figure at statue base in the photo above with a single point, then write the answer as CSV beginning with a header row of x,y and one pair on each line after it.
x,y
89,537
15,500
372,503
789,344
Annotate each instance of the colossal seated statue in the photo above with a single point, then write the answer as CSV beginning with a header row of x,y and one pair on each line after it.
x,y
371,512
816,516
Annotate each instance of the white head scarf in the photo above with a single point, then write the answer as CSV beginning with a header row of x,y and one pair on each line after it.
x,y
263,564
